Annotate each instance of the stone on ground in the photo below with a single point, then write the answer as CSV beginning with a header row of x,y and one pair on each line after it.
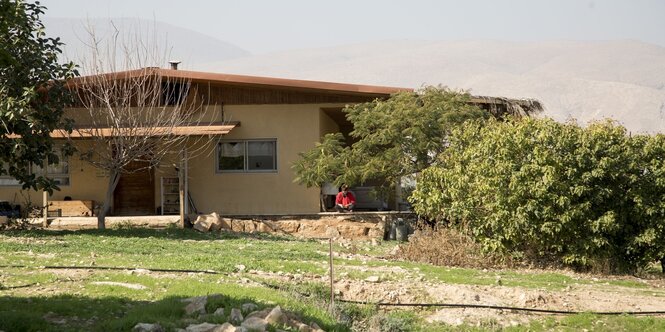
x,y
255,324
145,327
276,316
197,305
203,327
249,307
236,316
219,312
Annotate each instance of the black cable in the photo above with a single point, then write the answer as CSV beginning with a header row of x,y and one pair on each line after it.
x,y
382,304
19,286
496,307
94,267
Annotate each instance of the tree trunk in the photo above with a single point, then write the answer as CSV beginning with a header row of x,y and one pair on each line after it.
x,y
114,178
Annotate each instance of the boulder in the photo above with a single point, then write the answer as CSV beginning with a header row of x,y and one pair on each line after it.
x,y
208,222
226,327
219,312
236,316
249,307
197,305
145,327
276,316
255,324
259,313
203,327
288,226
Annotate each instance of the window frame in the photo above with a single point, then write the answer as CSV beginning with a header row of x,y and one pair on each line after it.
x,y
246,168
34,170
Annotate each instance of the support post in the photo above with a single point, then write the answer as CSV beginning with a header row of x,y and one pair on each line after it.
x,y
185,160
45,196
181,190
332,288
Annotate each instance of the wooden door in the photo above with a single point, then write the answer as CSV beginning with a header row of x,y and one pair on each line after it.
x,y
135,193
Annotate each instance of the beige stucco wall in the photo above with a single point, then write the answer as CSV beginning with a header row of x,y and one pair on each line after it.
x,y
86,183
295,127
326,124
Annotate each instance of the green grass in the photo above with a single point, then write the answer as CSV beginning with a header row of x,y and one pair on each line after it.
x,y
33,298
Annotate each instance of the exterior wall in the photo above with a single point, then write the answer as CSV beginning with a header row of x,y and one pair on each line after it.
x,y
295,127
326,124
85,183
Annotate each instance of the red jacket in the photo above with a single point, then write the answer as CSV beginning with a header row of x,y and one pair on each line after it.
x,y
345,201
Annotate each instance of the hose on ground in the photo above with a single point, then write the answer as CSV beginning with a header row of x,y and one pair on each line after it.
x,y
380,304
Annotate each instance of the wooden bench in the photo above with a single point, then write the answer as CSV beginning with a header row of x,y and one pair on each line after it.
x,y
71,208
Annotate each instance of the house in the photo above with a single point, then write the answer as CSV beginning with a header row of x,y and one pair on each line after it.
x,y
258,125
253,129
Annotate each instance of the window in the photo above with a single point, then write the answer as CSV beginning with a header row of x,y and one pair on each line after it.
x,y
247,156
59,172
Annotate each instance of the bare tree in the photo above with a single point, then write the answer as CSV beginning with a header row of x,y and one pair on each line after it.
x,y
133,114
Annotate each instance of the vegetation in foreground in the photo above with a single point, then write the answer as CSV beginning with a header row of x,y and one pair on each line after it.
x,y
247,268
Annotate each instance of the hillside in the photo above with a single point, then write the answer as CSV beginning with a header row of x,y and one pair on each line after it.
x,y
624,80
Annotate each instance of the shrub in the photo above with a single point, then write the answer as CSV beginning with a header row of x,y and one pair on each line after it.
x,y
583,196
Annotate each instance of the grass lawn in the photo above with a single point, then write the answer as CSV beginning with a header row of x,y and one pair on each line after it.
x,y
35,296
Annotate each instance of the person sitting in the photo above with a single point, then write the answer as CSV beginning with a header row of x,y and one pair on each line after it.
x,y
345,200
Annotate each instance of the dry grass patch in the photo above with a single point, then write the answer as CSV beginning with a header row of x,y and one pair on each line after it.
x,y
448,247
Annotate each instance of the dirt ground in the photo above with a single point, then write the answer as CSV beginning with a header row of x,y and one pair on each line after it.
x,y
589,294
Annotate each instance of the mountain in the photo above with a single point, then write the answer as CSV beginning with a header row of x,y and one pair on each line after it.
x,y
183,44
623,80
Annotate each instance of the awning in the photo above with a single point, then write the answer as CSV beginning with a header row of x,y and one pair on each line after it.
x,y
186,130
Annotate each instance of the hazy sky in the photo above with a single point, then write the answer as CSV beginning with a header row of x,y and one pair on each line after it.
x,y
268,25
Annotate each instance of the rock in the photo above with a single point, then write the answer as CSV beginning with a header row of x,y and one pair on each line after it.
x,y
204,223
240,267
226,327
139,271
236,316
255,324
276,316
249,307
203,327
197,305
304,328
145,327
315,327
219,312
261,314
372,279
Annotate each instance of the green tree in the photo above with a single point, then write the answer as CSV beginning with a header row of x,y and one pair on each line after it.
x,y
393,138
32,92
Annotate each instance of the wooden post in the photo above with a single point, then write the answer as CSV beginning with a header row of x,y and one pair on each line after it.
x,y
186,180
332,288
45,196
181,190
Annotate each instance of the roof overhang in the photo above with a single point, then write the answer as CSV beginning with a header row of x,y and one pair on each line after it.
x,y
248,81
184,130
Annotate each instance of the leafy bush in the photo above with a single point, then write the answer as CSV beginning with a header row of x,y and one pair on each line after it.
x,y
584,196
